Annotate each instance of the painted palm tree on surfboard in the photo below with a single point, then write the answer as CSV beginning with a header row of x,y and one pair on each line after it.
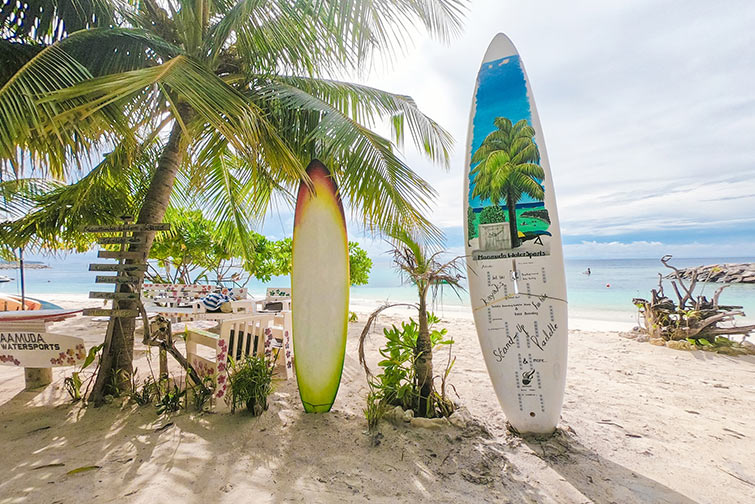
x,y
507,168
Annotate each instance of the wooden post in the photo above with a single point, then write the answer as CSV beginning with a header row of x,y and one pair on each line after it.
x,y
37,377
163,364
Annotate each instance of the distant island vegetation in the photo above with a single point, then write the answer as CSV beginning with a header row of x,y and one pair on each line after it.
x,y
27,264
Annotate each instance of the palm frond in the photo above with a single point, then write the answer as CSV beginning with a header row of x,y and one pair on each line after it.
x,y
15,55
115,187
48,21
387,24
366,105
240,121
28,127
227,192
380,187
19,195
270,37
106,51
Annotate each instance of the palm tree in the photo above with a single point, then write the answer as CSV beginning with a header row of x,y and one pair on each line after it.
x,y
424,269
236,96
427,273
507,168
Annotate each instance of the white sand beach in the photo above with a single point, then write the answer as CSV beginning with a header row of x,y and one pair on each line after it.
x,y
640,424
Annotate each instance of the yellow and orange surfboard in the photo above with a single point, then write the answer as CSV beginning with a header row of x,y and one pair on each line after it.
x,y
319,289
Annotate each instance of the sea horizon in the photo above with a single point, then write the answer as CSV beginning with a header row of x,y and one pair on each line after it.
x,y
606,294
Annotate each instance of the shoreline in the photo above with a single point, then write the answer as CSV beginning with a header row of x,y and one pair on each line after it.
x,y
579,319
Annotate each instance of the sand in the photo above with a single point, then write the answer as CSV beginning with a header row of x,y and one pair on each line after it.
x,y
640,424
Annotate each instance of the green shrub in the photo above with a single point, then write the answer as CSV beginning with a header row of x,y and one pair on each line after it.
x,y
202,394
492,214
148,392
72,385
396,384
375,409
250,384
171,400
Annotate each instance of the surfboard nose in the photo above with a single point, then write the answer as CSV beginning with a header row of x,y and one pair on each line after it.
x,y
500,47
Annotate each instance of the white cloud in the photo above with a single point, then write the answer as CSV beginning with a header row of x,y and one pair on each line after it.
x,y
653,249
647,106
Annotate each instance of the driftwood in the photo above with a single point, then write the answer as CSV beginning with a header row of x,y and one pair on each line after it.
x,y
724,273
691,317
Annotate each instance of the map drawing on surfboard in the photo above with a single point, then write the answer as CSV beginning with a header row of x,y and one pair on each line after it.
x,y
514,255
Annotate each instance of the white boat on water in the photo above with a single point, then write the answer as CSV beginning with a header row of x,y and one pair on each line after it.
x,y
4,278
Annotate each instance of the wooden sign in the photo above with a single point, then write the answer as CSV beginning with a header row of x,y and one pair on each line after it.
x,y
114,295
106,312
127,228
116,279
39,349
110,240
117,267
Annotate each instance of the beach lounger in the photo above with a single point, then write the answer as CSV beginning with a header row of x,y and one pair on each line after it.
x,y
199,312
174,295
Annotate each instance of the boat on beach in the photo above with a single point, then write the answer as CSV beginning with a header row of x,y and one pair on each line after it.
x,y
13,303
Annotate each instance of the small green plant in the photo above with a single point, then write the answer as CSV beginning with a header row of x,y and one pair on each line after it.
x,y
250,384
375,409
147,394
119,376
353,317
201,395
72,385
170,400
397,384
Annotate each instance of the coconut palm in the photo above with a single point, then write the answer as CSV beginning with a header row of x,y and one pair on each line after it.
x,y
507,168
423,267
427,273
239,96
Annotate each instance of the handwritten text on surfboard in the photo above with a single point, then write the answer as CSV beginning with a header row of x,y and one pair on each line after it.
x,y
539,341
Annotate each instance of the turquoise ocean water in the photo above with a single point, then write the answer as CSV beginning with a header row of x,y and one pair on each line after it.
x,y
606,294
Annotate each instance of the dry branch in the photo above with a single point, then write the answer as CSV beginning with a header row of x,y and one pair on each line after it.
x,y
705,321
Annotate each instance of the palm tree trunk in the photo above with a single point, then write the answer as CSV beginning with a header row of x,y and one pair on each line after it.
x,y
423,364
511,206
116,364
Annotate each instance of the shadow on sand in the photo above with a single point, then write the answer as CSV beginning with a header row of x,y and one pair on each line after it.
x,y
597,478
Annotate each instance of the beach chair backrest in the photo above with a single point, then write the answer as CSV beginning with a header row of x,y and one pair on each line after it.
x,y
245,335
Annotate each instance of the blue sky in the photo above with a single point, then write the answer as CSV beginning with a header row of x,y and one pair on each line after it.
x,y
648,111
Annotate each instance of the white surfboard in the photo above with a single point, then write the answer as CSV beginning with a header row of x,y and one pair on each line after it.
x,y
513,243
